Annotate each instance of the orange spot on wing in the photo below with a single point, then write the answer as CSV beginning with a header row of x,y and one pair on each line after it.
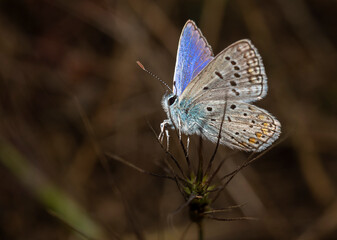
x,y
258,134
264,130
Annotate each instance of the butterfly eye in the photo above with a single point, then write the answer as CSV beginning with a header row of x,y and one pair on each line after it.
x,y
171,100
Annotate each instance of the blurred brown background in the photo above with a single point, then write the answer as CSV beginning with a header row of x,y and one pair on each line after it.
x,y
70,91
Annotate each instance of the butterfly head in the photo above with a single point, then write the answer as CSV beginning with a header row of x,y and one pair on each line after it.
x,y
169,100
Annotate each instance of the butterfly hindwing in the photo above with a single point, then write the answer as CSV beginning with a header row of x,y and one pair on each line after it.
x,y
245,126
193,55
237,73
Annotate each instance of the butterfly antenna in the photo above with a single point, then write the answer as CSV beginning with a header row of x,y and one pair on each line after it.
x,y
153,75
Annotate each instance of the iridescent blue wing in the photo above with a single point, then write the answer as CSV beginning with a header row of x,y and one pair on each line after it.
x,y
193,55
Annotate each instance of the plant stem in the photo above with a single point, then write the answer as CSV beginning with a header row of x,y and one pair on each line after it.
x,y
201,230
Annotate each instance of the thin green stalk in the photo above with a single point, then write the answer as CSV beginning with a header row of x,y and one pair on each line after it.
x,y
55,201
201,230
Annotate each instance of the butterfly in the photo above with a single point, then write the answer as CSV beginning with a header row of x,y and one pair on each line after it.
x,y
213,94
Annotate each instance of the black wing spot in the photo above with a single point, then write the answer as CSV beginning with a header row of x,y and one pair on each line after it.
x,y
227,58
245,114
237,133
212,119
233,83
233,62
233,106
236,68
219,74
236,92
206,88
253,121
229,119
251,126
209,109
237,75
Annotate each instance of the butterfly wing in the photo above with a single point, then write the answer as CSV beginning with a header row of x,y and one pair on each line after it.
x,y
237,73
193,55
245,126
234,78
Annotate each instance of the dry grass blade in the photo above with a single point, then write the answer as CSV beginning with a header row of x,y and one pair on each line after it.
x,y
232,219
209,166
231,175
121,160
222,210
178,134
170,155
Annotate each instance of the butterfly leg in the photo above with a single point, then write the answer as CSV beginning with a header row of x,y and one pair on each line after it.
x,y
167,139
179,127
164,131
188,144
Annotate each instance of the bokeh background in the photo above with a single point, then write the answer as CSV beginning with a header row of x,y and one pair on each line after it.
x,y
71,92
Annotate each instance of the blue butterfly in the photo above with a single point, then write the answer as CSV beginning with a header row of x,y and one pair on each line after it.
x,y
210,93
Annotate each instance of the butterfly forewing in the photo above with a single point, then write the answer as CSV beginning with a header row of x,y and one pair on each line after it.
x,y
236,73
193,55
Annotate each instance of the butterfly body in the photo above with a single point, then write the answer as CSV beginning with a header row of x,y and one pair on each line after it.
x,y
183,114
210,93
